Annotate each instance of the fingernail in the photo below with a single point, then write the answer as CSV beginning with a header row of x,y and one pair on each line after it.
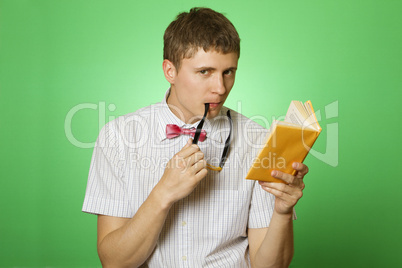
x,y
274,173
295,165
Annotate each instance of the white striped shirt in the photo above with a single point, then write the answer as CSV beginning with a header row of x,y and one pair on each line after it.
x,y
209,227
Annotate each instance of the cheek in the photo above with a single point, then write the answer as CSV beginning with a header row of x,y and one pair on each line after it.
x,y
191,83
229,84
186,87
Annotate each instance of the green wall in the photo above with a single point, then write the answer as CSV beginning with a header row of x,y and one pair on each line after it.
x,y
106,56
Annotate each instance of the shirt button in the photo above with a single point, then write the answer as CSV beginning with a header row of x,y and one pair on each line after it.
x,y
184,258
183,223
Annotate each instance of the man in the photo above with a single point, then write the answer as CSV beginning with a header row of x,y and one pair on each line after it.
x,y
161,201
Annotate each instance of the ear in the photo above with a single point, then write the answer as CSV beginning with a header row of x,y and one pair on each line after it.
x,y
169,71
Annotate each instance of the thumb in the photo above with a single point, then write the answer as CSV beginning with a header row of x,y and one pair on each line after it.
x,y
189,142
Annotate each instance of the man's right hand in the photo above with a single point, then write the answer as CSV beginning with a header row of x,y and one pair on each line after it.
x,y
182,174
131,241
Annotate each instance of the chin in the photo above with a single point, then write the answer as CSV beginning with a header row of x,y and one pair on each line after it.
x,y
214,113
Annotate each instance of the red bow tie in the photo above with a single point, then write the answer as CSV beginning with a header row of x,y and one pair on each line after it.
x,y
173,131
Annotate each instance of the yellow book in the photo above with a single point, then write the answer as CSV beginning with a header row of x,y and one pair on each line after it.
x,y
288,141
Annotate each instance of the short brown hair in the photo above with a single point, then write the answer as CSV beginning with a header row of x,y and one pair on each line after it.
x,y
199,28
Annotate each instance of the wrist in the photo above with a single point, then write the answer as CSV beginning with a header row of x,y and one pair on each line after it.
x,y
288,216
161,198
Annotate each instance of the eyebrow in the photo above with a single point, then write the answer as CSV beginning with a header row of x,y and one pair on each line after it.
x,y
213,69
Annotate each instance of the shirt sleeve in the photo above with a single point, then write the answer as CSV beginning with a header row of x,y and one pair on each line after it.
x,y
261,208
106,191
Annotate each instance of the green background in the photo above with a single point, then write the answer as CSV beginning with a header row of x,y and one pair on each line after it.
x,y
55,55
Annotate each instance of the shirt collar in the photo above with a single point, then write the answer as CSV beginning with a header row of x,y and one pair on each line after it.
x,y
213,127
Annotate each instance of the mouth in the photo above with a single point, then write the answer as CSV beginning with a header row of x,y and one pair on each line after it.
x,y
213,105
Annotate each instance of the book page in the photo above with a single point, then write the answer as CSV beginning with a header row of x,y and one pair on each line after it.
x,y
312,118
302,109
301,114
293,115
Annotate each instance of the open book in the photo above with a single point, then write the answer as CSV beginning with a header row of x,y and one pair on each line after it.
x,y
288,141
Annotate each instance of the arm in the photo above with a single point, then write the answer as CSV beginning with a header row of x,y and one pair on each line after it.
x,y
273,246
129,242
126,242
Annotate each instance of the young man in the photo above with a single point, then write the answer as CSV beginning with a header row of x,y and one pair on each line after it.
x,y
160,201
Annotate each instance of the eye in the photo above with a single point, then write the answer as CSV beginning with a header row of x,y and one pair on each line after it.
x,y
204,72
228,72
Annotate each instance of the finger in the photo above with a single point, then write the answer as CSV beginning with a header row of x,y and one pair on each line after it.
x,y
276,192
194,158
188,151
201,174
189,142
287,178
199,169
199,165
277,186
301,168
282,191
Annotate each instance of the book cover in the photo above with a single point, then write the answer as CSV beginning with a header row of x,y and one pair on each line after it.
x,y
287,142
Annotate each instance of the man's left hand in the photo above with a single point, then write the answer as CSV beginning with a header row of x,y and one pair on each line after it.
x,y
286,194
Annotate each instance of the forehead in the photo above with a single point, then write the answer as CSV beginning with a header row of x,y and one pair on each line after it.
x,y
211,58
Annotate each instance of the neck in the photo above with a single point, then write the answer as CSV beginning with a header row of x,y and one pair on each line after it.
x,y
178,112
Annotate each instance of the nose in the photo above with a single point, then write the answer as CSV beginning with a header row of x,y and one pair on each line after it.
x,y
219,85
